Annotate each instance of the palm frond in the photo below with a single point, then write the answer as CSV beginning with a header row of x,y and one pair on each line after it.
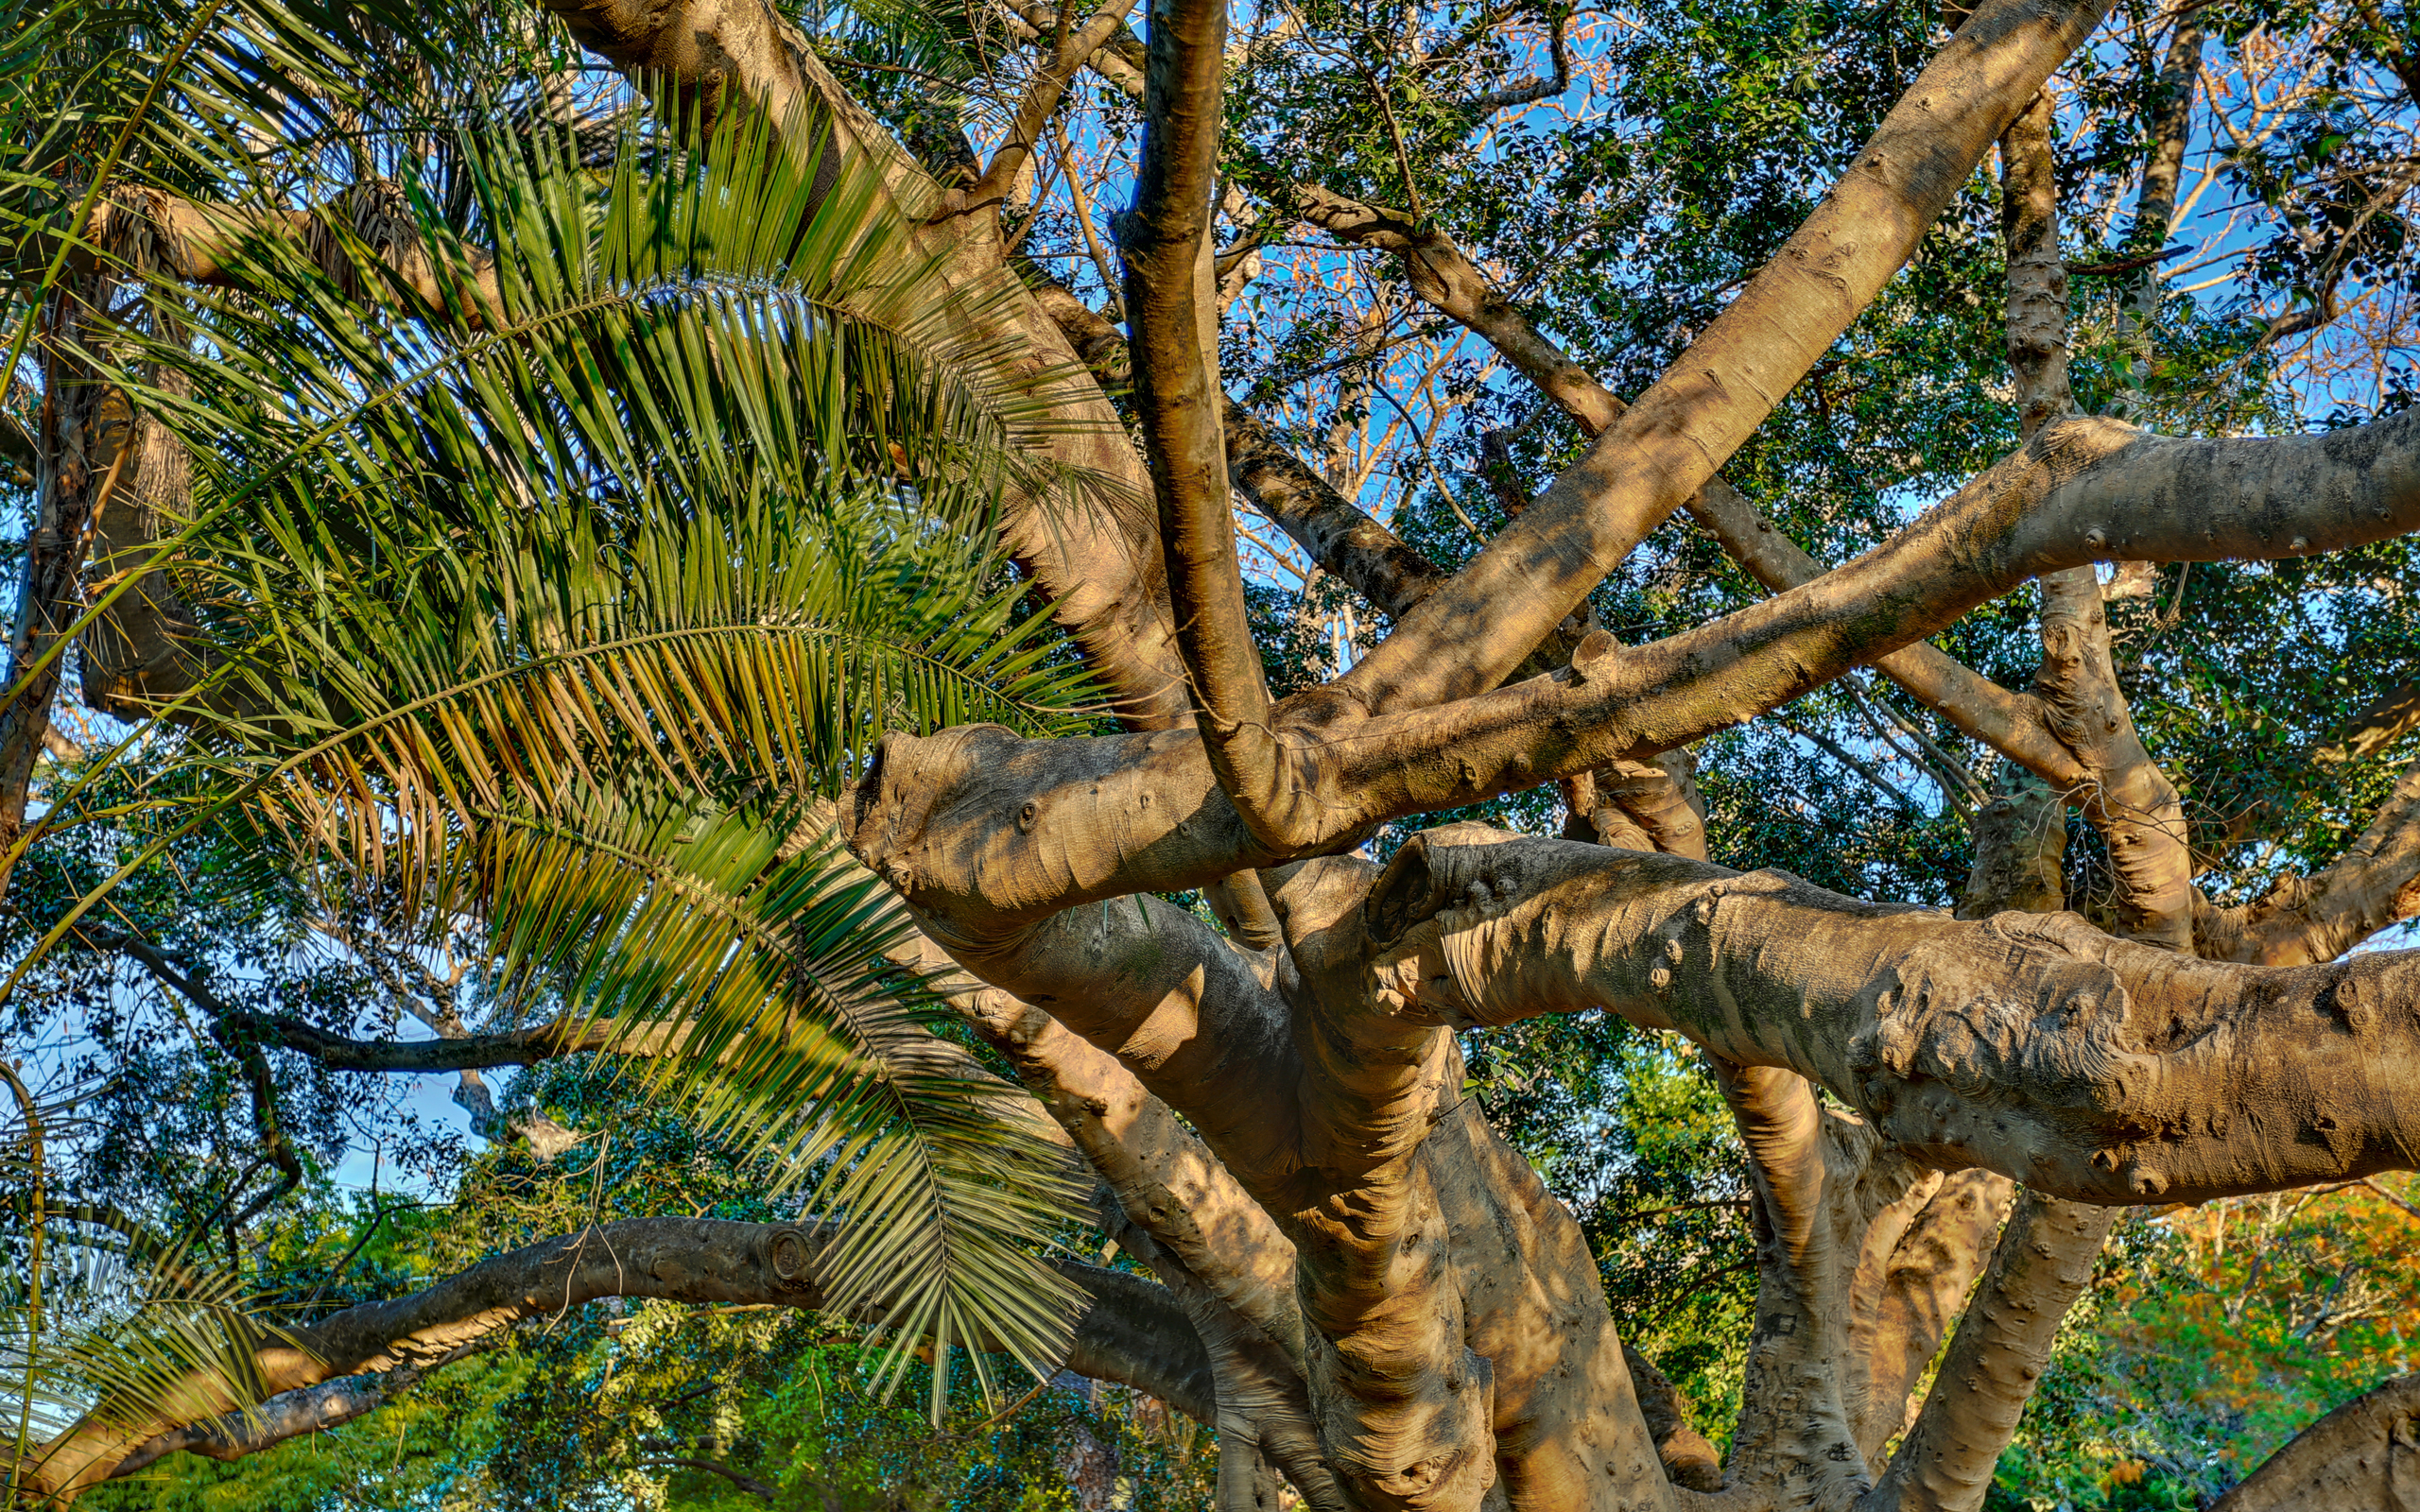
x,y
104,1320
556,600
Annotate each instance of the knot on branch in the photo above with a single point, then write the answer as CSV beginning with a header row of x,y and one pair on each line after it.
x,y
2018,1054
2056,1020
788,1254
1453,867
1592,658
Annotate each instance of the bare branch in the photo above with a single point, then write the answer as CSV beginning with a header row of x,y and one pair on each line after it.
x,y
2373,885
1172,305
1131,1333
2036,1047
2043,1263
1466,637
1040,102
1538,86
1439,273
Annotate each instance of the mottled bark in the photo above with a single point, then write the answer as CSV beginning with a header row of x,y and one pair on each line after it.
x,y
2129,801
1171,297
1912,1280
2087,1067
1808,1167
2037,275
2372,887
2083,490
2020,848
2044,1260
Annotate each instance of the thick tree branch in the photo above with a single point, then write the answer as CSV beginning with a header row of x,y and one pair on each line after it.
x,y
286,1416
1917,1266
2037,276
2373,885
1468,637
2084,490
2086,1067
1809,1170
1171,307
1120,60
2020,848
1406,1406
2365,1453
2129,801
1440,272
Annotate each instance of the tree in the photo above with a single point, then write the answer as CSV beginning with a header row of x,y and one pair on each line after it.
x,y
1390,1307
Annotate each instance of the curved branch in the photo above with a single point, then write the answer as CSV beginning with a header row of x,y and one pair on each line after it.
x,y
1468,637
1040,102
1172,305
1133,1332
1537,86
2365,1453
2373,885
2044,1260
2086,1067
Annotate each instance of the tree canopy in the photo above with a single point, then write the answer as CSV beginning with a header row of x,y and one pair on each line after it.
x,y
1356,755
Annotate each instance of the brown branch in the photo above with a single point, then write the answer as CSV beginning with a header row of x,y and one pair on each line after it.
x,y
1172,305
286,1415
1914,1270
2037,279
1805,1166
1340,537
2043,1263
1537,86
1466,637
1687,1458
1131,1332
2129,801
2039,1048
1439,273
1120,60
2365,1453
2020,848
556,1038
1069,52
2084,490
2373,885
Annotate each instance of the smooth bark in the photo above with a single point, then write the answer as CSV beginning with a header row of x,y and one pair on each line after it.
x,y
1665,448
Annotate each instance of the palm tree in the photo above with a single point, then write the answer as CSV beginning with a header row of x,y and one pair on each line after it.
x,y
552,532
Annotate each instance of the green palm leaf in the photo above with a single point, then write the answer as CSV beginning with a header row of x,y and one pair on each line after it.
x,y
556,601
